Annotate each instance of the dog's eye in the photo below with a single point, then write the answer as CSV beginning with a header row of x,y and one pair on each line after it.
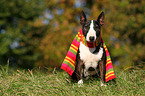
x,y
86,26
96,26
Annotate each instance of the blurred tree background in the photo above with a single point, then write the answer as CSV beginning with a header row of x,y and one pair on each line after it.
x,y
38,33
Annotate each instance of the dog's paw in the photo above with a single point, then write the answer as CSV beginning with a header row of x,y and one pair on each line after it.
x,y
80,83
102,84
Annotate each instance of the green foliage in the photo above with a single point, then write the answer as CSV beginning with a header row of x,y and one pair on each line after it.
x,y
129,30
34,82
59,34
18,29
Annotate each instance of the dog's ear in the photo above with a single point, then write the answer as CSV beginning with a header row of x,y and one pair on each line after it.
x,y
82,18
101,18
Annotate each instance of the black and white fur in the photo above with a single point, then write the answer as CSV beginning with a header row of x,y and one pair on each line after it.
x,y
90,61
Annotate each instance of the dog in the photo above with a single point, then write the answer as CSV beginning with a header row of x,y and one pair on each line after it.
x,y
90,61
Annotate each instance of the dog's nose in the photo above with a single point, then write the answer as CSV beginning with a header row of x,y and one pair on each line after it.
x,y
91,38
91,69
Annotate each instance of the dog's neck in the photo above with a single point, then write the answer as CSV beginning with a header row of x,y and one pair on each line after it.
x,y
95,49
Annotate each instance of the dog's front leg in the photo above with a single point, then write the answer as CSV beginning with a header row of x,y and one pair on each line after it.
x,y
78,69
80,73
102,72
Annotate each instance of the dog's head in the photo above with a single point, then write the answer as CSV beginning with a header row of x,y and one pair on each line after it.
x,y
91,28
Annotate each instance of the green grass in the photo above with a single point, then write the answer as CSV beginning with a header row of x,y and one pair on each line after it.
x,y
34,83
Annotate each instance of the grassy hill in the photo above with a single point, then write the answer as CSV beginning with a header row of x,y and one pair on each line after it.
x,y
34,82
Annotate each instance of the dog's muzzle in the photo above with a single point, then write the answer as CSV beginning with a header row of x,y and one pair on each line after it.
x,y
91,38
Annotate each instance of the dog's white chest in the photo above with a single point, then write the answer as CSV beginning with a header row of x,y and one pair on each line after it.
x,y
90,59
